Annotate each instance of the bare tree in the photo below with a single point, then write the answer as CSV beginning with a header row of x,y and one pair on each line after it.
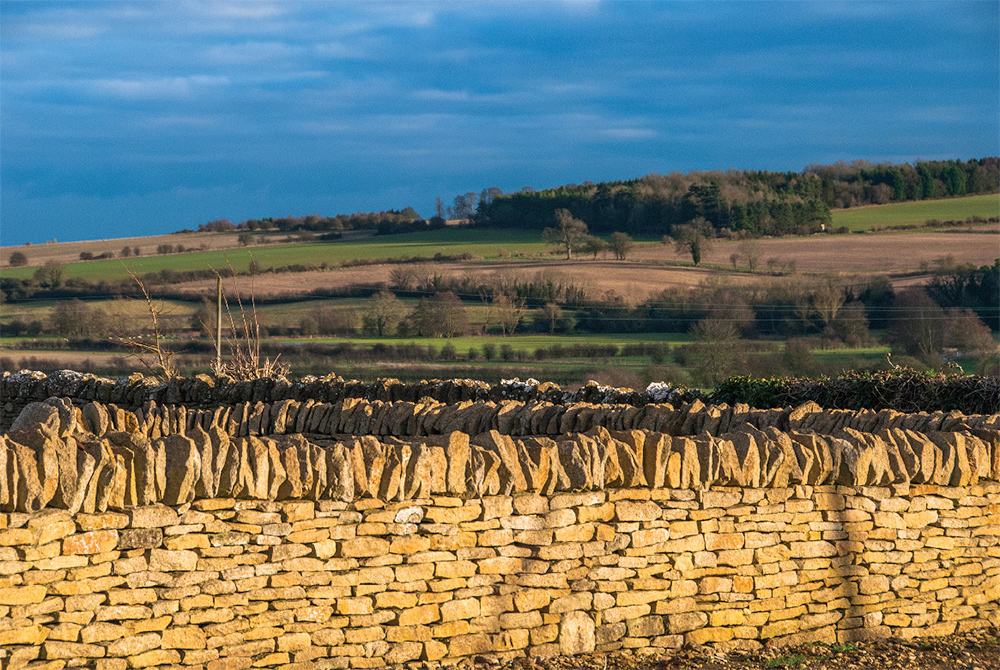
x,y
402,277
694,238
622,244
567,233
509,312
592,244
828,298
553,314
464,206
750,249
382,314
18,259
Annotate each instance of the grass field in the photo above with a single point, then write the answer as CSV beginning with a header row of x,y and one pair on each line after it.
x,y
917,213
527,343
449,242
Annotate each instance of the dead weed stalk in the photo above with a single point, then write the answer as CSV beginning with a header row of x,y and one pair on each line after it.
x,y
245,362
152,355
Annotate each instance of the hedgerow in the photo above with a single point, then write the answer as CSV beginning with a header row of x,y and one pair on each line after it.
x,y
901,390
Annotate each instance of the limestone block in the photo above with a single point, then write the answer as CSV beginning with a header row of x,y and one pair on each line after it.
x,y
230,472
459,456
303,413
486,465
183,468
255,471
315,476
656,452
92,542
801,414
901,462
276,475
789,472
37,416
577,633
510,472
38,463
26,635
153,516
955,453
294,464
96,418
22,595
690,462
418,468
70,650
748,457
625,468
873,585
634,510
205,482
544,472
164,560
279,416
134,644
980,465
684,622
574,460
9,479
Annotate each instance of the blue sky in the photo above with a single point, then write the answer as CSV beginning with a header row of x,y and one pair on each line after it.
x,y
122,118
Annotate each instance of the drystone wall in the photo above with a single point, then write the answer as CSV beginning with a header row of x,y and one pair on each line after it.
x,y
364,532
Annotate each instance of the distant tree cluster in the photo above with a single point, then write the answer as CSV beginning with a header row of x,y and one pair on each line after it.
x,y
385,221
749,202
18,259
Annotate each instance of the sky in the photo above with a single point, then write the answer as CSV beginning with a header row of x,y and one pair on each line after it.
x,y
137,118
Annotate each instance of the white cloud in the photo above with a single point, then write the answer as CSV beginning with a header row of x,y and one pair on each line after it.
x,y
168,88
238,9
179,121
251,52
628,133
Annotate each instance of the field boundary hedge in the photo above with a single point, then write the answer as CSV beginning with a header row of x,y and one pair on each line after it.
x,y
903,391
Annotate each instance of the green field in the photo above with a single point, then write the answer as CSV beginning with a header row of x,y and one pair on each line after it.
x,y
917,213
449,242
527,343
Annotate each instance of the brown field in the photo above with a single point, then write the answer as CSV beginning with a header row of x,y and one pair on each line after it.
x,y
647,270
649,267
865,253
69,252
628,279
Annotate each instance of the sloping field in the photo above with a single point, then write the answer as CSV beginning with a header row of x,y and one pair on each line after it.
x,y
632,280
69,252
481,243
652,267
917,213
868,253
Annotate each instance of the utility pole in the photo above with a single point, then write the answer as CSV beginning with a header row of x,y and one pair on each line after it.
x,y
218,324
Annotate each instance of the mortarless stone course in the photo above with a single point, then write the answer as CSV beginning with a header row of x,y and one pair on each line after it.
x,y
352,532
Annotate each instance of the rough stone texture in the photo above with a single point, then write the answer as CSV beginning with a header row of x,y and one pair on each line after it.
x,y
233,582
401,531
389,451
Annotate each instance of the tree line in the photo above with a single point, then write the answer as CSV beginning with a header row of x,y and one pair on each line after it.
x,y
317,223
755,201
752,202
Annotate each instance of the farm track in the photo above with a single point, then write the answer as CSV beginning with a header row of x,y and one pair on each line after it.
x,y
976,650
